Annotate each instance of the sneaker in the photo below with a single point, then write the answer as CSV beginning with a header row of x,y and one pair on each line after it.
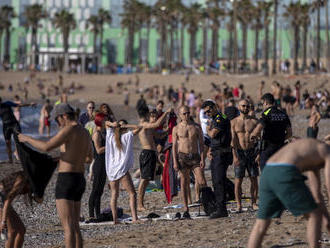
x,y
186,215
218,214
177,216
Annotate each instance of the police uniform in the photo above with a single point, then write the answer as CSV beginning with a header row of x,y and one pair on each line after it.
x,y
275,122
221,158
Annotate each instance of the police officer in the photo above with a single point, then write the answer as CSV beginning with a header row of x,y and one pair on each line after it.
x,y
220,134
276,128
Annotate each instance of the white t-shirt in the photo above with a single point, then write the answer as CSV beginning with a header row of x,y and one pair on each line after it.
x,y
118,162
203,119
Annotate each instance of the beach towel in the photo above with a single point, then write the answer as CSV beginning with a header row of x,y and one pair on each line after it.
x,y
39,167
170,183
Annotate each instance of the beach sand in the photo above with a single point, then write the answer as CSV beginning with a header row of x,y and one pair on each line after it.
x,y
44,229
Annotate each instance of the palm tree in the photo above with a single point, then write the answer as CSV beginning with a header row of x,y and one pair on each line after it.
x,y
7,13
292,13
245,15
2,28
104,17
214,13
327,33
266,9
275,36
193,17
235,59
93,24
65,21
317,5
257,26
34,13
230,29
183,24
305,22
129,21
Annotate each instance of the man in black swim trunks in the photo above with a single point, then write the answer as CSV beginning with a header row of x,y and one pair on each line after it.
x,y
76,149
10,124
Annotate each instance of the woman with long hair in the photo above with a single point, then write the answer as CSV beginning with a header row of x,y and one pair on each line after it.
x,y
98,169
119,160
105,109
10,187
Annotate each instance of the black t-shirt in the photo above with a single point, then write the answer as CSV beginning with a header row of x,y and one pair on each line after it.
x,y
223,138
275,123
231,112
6,113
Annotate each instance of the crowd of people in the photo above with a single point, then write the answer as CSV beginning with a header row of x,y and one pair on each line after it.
x,y
224,130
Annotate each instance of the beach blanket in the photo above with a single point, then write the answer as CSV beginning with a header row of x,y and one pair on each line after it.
x,y
39,167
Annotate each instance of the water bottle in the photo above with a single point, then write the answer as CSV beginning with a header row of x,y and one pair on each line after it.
x,y
3,234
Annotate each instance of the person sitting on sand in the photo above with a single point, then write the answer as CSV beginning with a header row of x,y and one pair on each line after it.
x,y
282,187
119,160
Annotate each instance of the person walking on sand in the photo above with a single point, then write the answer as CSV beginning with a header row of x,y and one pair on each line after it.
x,y
76,150
88,115
282,187
45,118
10,123
119,160
148,156
245,153
188,154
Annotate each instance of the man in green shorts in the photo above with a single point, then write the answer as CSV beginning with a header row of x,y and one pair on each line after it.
x,y
282,187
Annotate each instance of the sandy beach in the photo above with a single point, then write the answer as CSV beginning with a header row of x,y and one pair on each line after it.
x,y
44,229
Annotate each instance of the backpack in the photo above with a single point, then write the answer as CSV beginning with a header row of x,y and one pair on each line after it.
x,y
207,199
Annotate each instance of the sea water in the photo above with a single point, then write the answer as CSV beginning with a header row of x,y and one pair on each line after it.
x,y
30,124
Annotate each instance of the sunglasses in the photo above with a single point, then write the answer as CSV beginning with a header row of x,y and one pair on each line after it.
x,y
91,107
186,113
208,111
245,106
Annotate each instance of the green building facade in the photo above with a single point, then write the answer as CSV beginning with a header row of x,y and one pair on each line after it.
x,y
115,38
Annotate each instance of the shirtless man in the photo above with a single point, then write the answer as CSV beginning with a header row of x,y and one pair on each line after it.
x,y
282,187
188,154
244,153
44,118
76,149
314,119
277,93
148,156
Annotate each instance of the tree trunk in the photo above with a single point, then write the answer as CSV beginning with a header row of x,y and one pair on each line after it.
x,y
266,49
256,45
95,49
101,50
296,49
130,48
327,34
33,46
147,51
318,39
66,50
244,42
235,38
275,37
182,46
1,32
192,47
171,45
215,35
140,46
162,45
304,65
7,46
205,29
230,47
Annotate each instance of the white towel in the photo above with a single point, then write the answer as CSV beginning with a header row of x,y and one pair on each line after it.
x,y
118,162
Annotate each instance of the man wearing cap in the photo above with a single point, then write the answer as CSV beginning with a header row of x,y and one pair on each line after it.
x,y
76,149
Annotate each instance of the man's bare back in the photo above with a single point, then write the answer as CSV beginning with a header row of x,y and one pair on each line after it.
x,y
242,129
305,154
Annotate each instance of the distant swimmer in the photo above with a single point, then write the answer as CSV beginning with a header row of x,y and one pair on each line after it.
x,y
282,187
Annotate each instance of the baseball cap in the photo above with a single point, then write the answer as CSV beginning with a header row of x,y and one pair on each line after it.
x,y
61,109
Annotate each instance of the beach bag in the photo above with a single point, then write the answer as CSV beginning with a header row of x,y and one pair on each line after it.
x,y
208,201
